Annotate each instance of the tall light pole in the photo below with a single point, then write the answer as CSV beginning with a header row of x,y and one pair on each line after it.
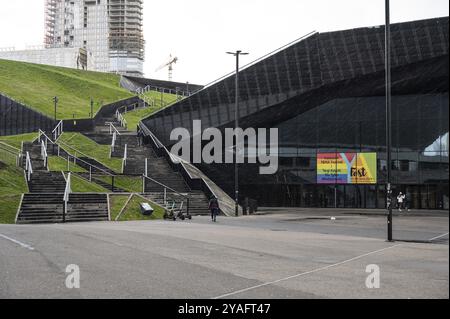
x,y
236,125
388,121
92,108
55,101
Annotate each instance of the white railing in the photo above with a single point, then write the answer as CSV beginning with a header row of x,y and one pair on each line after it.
x,y
58,130
9,154
121,119
148,88
67,192
44,154
112,128
113,144
28,166
124,159
43,137
169,195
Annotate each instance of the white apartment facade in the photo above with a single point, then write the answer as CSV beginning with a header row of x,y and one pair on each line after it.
x,y
98,35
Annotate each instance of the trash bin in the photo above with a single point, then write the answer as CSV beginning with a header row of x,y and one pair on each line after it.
x,y
146,209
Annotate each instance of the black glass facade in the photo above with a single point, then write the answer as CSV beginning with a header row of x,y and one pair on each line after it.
x,y
420,152
325,94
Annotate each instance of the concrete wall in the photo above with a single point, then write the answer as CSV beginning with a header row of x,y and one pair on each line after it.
x,y
16,118
65,57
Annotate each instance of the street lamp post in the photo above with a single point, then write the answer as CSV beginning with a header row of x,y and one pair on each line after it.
x,y
236,125
55,101
388,121
92,108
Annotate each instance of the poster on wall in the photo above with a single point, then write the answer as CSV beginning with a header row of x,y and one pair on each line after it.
x,y
347,168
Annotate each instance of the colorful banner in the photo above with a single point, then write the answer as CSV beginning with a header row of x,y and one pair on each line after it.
x,y
347,168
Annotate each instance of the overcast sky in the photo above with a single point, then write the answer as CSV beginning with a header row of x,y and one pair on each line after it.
x,y
199,32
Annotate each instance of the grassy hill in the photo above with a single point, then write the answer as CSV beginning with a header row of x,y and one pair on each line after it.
x,y
35,85
133,117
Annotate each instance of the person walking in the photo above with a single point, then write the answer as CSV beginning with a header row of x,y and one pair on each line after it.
x,y
214,208
400,201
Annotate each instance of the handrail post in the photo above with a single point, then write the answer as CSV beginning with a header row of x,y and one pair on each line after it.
x,y
143,184
165,196
187,205
67,191
146,166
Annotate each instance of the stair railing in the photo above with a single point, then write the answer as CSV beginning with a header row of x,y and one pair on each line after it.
x,y
112,128
67,192
10,154
113,144
77,159
58,130
121,119
124,159
166,189
44,154
28,166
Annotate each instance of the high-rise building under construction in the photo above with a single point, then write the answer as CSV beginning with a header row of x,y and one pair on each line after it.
x,y
98,35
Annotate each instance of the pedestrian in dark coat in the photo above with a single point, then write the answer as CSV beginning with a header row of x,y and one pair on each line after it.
x,y
214,208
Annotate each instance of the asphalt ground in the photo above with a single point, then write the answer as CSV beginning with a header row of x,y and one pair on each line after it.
x,y
285,254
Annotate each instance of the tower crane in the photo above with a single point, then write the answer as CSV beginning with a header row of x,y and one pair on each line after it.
x,y
169,64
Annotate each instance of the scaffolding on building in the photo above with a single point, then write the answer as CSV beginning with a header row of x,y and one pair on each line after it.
x,y
126,37
50,22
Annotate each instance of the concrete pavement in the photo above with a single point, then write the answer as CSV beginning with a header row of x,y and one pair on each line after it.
x,y
270,256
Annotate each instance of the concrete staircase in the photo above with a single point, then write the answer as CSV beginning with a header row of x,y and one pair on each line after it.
x,y
47,182
87,207
45,204
34,149
41,208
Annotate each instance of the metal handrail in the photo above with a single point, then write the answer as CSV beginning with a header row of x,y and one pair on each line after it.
x,y
186,197
16,154
28,166
15,149
124,159
44,154
165,186
67,192
113,144
58,130
79,159
42,133
120,118
112,127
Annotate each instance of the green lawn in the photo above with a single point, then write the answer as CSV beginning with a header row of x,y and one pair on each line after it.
x,y
116,202
89,147
35,85
16,140
132,184
80,185
57,164
133,212
166,98
133,117
12,185
12,180
8,208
